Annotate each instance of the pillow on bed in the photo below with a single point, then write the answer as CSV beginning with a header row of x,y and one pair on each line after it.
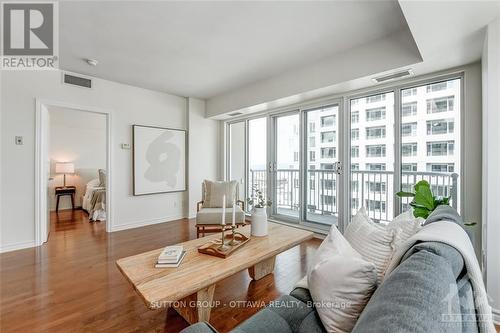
x,y
102,177
93,183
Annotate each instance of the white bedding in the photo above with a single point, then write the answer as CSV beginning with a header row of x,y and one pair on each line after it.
x,y
92,186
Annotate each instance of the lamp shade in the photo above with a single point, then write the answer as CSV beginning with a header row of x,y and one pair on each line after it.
x,y
65,167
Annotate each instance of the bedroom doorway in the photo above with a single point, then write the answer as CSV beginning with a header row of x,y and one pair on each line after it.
x,y
73,187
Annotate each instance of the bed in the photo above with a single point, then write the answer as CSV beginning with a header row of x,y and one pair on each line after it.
x,y
94,200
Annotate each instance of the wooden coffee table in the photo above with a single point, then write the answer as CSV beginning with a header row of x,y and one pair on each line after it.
x,y
190,287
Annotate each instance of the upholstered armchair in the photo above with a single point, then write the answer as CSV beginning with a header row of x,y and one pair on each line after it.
x,y
209,209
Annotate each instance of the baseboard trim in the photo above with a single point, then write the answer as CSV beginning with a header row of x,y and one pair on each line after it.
x,y
496,316
144,223
17,246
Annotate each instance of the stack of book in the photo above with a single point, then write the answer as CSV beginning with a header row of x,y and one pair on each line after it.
x,y
171,256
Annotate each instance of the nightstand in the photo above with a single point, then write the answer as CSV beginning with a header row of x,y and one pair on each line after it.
x,y
65,190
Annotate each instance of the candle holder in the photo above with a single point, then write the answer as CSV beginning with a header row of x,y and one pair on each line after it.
x,y
226,246
223,246
233,241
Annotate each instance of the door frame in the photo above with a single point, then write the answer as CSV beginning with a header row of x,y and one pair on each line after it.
x,y
339,102
271,174
341,153
41,156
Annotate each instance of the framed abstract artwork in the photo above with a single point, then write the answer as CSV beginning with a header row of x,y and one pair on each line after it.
x,y
159,159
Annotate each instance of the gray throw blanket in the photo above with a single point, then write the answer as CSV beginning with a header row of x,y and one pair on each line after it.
x,y
464,287
444,213
422,295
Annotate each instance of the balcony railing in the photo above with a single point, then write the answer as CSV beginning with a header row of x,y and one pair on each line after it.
x,y
372,189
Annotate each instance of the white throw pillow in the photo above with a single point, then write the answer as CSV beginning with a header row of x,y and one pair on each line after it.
x,y
405,225
375,242
215,190
341,282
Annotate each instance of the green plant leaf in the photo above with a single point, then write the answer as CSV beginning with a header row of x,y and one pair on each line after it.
x,y
422,183
415,205
423,195
421,212
403,194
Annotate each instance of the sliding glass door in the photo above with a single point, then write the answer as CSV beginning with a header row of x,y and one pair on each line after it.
x,y
322,158
390,140
284,167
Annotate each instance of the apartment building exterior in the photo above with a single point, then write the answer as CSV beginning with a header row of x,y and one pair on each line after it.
x,y
430,141
429,136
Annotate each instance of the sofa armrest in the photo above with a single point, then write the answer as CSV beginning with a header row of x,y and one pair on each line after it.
x,y
202,327
199,205
417,294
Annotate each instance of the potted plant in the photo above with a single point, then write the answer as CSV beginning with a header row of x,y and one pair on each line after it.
x,y
259,214
424,202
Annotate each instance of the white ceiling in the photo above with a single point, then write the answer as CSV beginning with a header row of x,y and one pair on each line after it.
x,y
204,49
447,33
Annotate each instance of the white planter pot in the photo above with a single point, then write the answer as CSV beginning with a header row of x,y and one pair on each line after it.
x,y
259,222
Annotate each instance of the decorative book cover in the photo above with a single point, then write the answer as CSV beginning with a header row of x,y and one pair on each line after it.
x,y
174,264
171,252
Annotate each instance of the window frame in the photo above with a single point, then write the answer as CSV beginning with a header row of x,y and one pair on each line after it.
x,y
397,88
343,100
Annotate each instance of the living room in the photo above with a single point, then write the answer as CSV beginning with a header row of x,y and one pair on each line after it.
x,y
235,138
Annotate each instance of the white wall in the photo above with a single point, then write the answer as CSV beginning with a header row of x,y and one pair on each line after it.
x,y
491,162
471,159
78,137
129,105
203,151
237,156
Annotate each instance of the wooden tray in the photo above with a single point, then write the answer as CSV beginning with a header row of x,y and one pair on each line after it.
x,y
212,247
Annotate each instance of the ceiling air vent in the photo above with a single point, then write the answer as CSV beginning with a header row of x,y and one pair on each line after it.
x,y
393,76
77,81
234,114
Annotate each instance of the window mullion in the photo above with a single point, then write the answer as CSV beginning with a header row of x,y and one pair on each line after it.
x,y
397,149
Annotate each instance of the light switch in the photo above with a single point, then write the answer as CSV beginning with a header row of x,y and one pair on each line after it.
x,y
125,145
19,140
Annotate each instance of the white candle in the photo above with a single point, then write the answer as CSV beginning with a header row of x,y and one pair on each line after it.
x,y
234,213
223,210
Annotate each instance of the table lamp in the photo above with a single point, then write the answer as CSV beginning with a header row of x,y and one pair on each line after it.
x,y
65,168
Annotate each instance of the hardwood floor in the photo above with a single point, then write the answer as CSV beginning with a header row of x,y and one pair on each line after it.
x,y
71,283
